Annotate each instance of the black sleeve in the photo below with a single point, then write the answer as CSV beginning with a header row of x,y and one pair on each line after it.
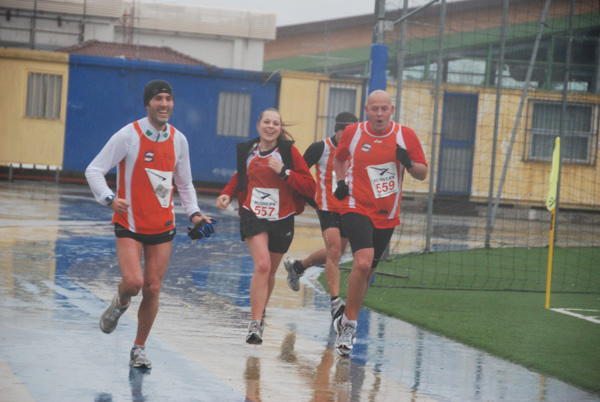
x,y
313,153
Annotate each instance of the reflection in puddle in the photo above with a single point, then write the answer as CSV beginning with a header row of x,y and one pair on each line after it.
x,y
136,380
55,280
252,379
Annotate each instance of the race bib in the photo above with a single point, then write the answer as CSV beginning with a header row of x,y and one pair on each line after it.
x,y
162,183
384,179
265,203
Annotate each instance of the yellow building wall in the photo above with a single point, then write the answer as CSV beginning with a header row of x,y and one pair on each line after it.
x,y
302,99
526,182
298,106
24,139
416,112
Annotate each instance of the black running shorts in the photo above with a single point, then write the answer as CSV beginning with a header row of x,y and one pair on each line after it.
x,y
148,239
361,234
330,220
280,232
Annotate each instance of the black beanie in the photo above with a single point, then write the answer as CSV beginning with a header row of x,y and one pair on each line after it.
x,y
344,119
154,88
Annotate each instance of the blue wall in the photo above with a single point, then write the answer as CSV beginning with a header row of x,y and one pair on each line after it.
x,y
105,94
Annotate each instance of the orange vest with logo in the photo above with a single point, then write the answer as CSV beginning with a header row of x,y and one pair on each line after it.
x,y
146,215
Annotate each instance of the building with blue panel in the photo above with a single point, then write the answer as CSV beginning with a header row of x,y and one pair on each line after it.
x,y
215,108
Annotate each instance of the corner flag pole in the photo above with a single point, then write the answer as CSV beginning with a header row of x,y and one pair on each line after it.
x,y
550,255
551,206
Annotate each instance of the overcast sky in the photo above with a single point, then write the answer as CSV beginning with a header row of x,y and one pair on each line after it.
x,y
291,12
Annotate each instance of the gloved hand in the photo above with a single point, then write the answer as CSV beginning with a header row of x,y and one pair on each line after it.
x,y
201,231
341,191
402,156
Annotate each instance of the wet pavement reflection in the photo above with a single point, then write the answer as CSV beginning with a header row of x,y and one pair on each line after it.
x,y
58,272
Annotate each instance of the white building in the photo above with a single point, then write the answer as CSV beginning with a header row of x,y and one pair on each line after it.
x,y
222,37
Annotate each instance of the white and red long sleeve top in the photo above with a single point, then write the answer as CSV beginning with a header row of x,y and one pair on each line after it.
x,y
148,161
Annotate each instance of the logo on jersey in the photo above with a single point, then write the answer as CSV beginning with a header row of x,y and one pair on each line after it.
x,y
157,175
149,156
263,195
366,148
381,171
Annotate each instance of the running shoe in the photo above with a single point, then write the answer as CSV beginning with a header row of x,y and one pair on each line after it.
x,y
293,278
337,308
255,331
345,337
110,317
138,359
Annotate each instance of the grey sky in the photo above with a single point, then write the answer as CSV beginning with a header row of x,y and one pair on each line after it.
x,y
299,11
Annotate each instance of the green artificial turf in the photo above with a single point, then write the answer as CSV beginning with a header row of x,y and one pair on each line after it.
x,y
514,325
574,269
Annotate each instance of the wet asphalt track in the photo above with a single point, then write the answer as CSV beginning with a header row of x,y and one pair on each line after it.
x,y
58,271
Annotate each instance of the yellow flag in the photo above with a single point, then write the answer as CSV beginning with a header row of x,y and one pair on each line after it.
x,y
551,198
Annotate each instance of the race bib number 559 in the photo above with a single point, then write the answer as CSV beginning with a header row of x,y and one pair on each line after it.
x,y
384,179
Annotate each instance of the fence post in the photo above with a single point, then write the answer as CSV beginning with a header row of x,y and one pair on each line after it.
x,y
434,129
500,68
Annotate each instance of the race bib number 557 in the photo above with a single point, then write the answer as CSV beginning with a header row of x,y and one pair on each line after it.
x,y
384,179
265,203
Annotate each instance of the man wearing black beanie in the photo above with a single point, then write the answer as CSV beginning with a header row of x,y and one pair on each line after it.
x,y
150,155
156,87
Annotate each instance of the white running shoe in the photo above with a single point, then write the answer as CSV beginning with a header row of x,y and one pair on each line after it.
x,y
345,337
138,358
255,331
110,317
293,278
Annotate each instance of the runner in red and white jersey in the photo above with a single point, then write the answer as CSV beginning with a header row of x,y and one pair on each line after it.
x,y
370,162
374,175
271,182
148,162
150,155
321,155
271,197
